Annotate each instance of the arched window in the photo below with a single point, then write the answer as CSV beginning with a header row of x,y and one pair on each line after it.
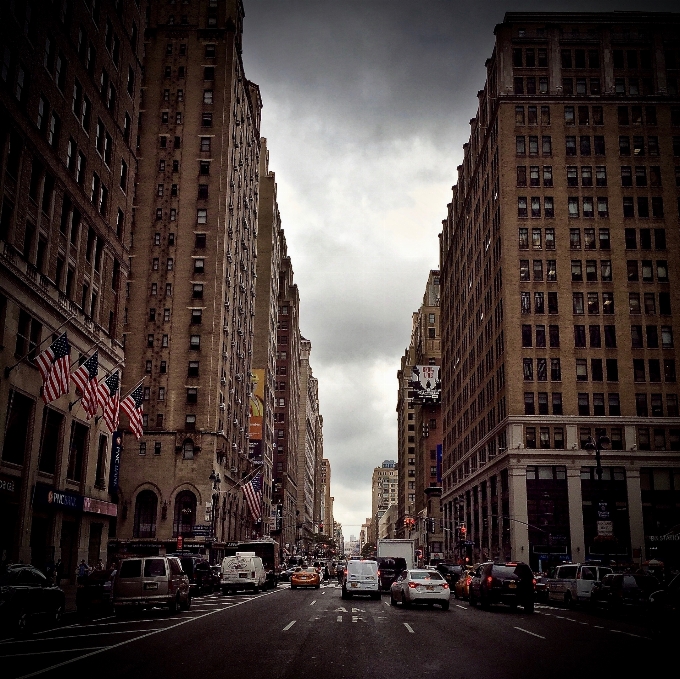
x,y
188,449
185,514
146,508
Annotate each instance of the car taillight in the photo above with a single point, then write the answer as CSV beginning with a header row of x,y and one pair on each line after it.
x,y
534,582
378,573
445,585
489,580
413,585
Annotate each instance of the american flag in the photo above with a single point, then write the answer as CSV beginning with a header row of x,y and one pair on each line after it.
x,y
85,378
109,399
253,494
55,364
133,407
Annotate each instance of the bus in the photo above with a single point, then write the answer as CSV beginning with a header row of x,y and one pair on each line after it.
x,y
266,549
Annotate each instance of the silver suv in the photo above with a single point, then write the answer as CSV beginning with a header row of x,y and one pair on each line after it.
x,y
144,582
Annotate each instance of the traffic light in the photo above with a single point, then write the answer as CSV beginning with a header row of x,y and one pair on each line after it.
x,y
463,532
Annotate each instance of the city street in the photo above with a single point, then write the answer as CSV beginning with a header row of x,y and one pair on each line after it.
x,y
314,633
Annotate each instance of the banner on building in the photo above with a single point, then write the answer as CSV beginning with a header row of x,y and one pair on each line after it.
x,y
426,384
256,415
116,447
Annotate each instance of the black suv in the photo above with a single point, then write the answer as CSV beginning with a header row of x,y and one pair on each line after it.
x,y
197,569
389,569
451,571
509,583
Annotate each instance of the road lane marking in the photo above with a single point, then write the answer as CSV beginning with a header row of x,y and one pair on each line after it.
x,y
526,631
129,641
356,618
313,602
598,626
61,650
289,625
339,618
463,607
409,628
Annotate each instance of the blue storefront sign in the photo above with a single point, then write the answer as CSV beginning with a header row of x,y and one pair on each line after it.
x,y
46,496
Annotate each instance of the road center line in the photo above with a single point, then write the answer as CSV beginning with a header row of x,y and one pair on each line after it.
x,y
289,625
61,650
526,631
409,628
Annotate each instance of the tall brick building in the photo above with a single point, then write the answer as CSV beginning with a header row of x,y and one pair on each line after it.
x,y
190,301
69,86
558,259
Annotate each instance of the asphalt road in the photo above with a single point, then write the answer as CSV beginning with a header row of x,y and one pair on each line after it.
x,y
314,634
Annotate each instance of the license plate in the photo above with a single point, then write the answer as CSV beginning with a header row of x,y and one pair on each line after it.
x,y
243,575
430,588
354,584
512,585
150,585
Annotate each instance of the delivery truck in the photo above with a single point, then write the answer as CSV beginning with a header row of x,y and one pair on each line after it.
x,y
397,548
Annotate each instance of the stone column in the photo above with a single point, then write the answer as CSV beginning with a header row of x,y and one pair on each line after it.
x,y
637,532
519,517
578,546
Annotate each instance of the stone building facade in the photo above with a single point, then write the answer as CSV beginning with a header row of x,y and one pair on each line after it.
x,y
69,97
190,303
558,258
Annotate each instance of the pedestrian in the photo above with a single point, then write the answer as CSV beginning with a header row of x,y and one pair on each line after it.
x,y
99,566
83,569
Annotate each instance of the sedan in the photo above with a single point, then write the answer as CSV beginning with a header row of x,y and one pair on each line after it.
x,y
622,589
420,587
28,598
305,577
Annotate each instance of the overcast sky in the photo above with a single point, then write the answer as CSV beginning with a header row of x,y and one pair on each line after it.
x,y
366,108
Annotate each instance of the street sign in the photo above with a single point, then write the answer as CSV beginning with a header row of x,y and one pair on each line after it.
x,y
201,531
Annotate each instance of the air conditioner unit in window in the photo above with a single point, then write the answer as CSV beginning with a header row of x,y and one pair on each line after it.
x,y
234,470
223,380
222,406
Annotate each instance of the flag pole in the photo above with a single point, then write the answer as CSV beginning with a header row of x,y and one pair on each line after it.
x,y
9,369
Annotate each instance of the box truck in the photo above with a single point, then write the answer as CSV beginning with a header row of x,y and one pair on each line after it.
x,y
397,548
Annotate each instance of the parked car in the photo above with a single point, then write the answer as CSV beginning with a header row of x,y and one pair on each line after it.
x,y
284,575
360,577
622,589
242,571
216,577
450,571
574,582
509,583
388,570
461,588
420,586
28,599
664,611
195,566
145,582
94,593
305,577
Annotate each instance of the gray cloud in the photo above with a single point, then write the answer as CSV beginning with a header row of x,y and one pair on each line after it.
x,y
366,108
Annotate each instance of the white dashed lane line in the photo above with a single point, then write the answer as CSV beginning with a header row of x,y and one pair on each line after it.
x,y
409,628
289,625
526,631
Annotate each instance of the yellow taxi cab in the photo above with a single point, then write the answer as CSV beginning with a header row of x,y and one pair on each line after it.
x,y
305,577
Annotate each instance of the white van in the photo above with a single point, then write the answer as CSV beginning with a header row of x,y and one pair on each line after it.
x,y
573,582
242,571
361,577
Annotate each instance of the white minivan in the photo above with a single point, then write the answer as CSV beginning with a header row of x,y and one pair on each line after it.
x,y
242,571
361,577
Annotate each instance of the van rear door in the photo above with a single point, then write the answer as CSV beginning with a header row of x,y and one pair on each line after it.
x,y
129,579
155,580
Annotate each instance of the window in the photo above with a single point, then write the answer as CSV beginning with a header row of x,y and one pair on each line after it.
x,y
583,404
207,96
570,143
557,403
573,208
199,265
205,144
581,370
195,342
193,369
612,369
201,216
522,207
577,302
520,145
555,370
529,408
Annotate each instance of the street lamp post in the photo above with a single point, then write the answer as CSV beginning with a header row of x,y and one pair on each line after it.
x,y
216,481
602,517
